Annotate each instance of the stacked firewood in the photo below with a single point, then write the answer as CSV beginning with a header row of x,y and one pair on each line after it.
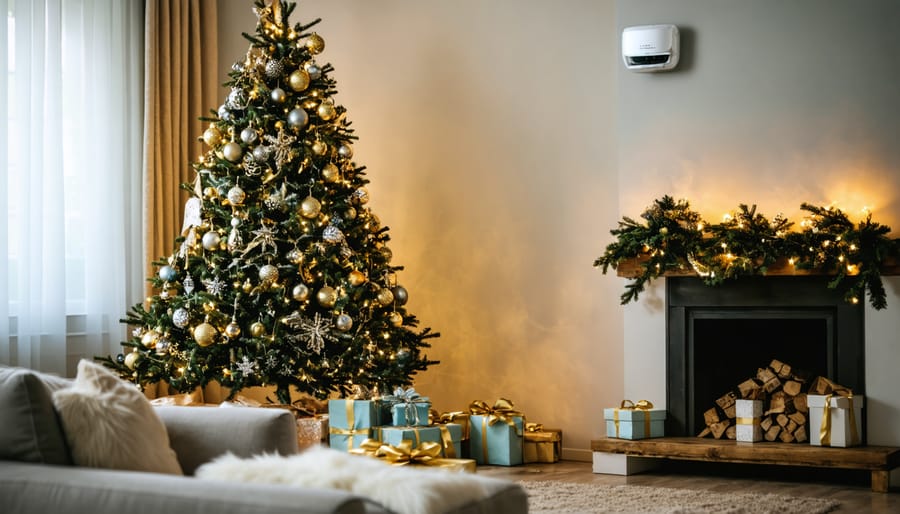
x,y
783,392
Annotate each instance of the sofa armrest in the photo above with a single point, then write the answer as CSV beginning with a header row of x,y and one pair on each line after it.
x,y
40,488
200,434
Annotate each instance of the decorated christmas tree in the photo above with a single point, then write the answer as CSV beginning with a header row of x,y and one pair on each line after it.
x,y
282,275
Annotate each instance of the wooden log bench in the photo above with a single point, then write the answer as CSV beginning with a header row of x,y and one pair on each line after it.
x,y
879,460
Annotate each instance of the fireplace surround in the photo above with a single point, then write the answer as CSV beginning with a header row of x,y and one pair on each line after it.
x,y
717,336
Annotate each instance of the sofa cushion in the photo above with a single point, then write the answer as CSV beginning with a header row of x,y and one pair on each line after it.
x,y
109,423
30,430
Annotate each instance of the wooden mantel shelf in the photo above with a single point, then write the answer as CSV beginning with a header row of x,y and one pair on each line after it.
x,y
631,268
880,460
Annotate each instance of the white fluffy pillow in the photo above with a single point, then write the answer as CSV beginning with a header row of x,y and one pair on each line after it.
x,y
109,423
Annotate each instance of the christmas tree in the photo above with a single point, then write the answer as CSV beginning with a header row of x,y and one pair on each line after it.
x,y
282,275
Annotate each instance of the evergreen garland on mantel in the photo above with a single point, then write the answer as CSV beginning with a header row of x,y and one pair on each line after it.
x,y
674,238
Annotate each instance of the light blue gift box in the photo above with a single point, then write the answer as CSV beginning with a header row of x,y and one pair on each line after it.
x,y
499,443
634,423
418,435
414,414
350,422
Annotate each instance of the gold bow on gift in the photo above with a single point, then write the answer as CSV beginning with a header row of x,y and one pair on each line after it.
x,y
460,418
641,405
501,411
426,454
534,427
825,429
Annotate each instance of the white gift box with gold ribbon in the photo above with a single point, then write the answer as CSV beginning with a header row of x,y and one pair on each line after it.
x,y
835,420
747,424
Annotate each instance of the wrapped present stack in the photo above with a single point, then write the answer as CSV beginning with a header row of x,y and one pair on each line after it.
x,y
634,420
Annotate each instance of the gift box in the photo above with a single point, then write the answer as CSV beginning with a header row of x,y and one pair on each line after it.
x,y
748,414
542,444
418,435
410,414
634,421
405,453
312,431
350,422
496,434
835,420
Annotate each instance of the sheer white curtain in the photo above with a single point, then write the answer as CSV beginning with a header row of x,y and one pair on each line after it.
x,y
71,100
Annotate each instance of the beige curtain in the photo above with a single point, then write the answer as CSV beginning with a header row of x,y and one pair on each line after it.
x,y
181,85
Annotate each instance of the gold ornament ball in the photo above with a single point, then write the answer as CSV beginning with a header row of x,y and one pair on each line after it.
x,y
212,136
232,151
310,207
315,44
268,273
326,110
257,329
299,80
396,319
330,173
295,256
132,359
233,330
247,286
385,297
356,278
300,292
327,297
350,213
343,323
149,338
205,334
345,151
319,148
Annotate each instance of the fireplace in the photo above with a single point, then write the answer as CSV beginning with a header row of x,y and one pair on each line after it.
x,y
718,336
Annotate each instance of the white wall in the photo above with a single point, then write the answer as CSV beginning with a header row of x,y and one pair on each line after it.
x,y
487,130
776,103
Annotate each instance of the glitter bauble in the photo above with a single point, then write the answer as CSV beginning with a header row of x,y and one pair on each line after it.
x,y
310,207
300,292
356,278
257,329
232,330
384,297
332,234
345,151
326,110
298,118
315,44
249,136
278,95
400,295
327,297
167,273
232,151
361,195
319,148
295,256
162,346
212,136
236,195
274,69
299,80
268,273
260,153
396,319
132,359
181,317
211,240
343,323
205,334
330,173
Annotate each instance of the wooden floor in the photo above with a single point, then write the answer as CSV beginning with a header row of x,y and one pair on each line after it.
x,y
849,487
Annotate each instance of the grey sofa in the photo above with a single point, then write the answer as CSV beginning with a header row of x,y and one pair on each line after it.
x,y
37,474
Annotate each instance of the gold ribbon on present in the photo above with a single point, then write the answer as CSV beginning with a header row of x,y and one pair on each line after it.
x,y
501,411
425,454
459,417
749,421
641,405
447,442
825,429
351,430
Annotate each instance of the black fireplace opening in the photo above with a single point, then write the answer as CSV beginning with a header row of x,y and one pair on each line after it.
x,y
718,336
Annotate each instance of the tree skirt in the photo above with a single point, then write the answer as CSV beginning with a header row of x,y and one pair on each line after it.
x,y
564,497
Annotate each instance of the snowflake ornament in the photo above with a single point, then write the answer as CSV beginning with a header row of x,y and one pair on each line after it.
x,y
245,367
314,331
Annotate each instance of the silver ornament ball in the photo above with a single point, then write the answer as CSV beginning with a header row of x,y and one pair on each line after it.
x,y
298,118
401,295
278,95
268,273
232,151
167,273
211,240
236,196
181,317
345,151
260,153
344,322
249,136
300,292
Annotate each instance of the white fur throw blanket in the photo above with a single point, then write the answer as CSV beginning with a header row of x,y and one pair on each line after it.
x,y
402,489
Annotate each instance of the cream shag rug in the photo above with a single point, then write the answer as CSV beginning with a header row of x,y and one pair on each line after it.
x,y
563,497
